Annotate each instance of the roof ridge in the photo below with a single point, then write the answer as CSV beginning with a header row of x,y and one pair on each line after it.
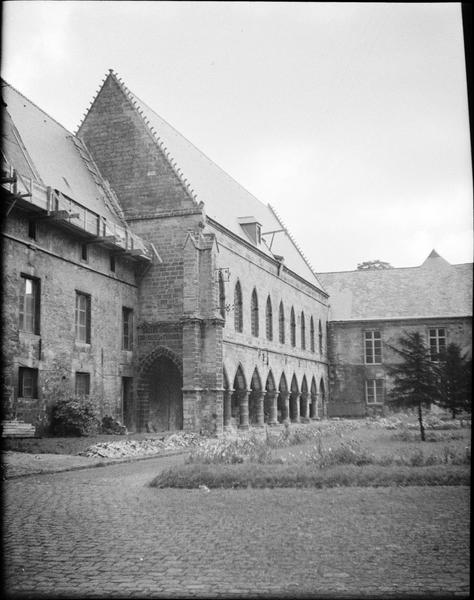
x,y
295,243
136,101
5,83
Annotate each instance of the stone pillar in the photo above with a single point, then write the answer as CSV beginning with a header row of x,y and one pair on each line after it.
x,y
259,395
285,396
191,400
314,407
296,400
227,409
304,407
272,401
244,409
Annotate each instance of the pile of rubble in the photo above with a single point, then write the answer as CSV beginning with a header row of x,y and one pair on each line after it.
x,y
146,447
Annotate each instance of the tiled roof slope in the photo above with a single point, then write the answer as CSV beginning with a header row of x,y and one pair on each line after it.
x,y
224,199
434,289
39,147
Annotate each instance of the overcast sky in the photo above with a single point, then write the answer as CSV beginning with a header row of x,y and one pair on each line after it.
x,y
350,119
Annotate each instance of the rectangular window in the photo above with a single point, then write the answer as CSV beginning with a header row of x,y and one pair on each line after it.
x,y
29,304
112,263
28,383
84,252
32,230
437,342
373,347
83,317
83,384
127,328
374,391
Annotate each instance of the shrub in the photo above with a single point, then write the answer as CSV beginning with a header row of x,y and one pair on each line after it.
x,y
110,426
74,417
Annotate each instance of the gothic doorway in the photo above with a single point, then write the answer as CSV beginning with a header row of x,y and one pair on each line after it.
x,y
166,399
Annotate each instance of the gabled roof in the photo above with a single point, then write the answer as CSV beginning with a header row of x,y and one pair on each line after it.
x,y
434,289
39,147
225,201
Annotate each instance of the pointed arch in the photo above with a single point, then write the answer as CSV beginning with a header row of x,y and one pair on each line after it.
x,y
313,400
283,385
314,389
221,295
240,382
269,319
255,382
292,327
270,383
225,379
303,331
294,385
254,313
304,385
281,324
238,312
311,334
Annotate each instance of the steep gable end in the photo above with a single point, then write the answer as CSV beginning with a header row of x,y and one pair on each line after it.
x,y
128,154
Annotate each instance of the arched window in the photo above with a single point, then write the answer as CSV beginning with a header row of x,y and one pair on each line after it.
x,y
238,316
292,328
311,334
221,296
281,324
303,332
320,338
254,313
269,319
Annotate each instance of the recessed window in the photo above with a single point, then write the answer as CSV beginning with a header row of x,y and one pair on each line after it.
x,y
254,313
83,384
238,316
373,347
374,391
437,339
127,328
311,334
84,252
27,383
292,328
29,304
221,295
303,332
281,324
32,229
112,263
83,317
269,320
320,336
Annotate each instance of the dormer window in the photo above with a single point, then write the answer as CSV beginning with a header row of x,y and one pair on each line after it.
x,y
252,228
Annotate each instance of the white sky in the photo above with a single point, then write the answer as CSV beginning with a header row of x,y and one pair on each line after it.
x,y
349,118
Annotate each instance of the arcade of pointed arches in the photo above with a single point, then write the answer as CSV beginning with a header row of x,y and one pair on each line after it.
x,y
252,401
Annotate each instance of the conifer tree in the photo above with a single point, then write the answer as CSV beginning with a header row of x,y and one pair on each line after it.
x,y
454,375
414,378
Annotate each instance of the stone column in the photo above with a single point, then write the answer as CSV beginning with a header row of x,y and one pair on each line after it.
x,y
314,407
296,400
259,395
285,396
244,409
227,409
304,407
272,401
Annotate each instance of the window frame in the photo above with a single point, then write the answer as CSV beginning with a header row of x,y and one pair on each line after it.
x,y
435,356
292,328
281,323
378,391
87,325
254,316
311,335
29,310
238,308
269,319
303,331
127,324
373,347
22,372
86,378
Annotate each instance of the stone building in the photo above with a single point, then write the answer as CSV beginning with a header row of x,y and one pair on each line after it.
x,y
139,272
371,309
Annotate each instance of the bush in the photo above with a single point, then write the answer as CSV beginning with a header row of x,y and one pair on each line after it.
x,y
74,417
111,426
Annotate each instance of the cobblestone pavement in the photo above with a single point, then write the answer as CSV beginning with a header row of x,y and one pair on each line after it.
x,y
104,533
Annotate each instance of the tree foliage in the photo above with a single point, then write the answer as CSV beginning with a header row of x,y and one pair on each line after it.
x,y
454,375
414,378
373,265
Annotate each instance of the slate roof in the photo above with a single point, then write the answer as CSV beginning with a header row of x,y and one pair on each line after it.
x,y
434,289
225,200
39,147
